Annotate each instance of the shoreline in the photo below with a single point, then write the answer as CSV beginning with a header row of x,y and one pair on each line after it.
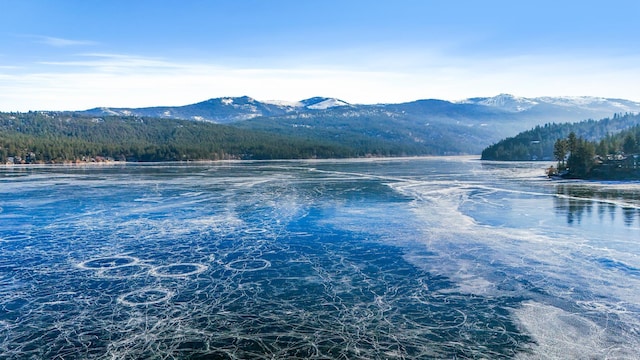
x,y
184,162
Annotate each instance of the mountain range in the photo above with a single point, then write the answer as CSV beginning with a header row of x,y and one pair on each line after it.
x,y
232,109
224,110
429,126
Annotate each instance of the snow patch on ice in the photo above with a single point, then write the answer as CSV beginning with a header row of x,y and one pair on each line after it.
x,y
559,334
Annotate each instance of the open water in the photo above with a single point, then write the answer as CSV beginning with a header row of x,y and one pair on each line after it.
x,y
355,259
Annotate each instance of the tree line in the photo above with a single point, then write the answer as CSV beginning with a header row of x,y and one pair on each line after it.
x,y
538,143
46,137
59,137
614,156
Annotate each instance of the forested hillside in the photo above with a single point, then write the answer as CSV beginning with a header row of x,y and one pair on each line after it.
x,y
538,143
52,137
46,137
421,127
380,132
625,142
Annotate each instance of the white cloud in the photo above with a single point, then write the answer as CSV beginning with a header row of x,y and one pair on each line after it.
x,y
60,42
111,63
98,79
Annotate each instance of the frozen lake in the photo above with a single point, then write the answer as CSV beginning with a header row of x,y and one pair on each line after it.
x,y
395,258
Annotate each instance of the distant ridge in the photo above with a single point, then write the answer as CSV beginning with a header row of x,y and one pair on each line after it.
x,y
315,127
428,126
233,109
223,110
584,103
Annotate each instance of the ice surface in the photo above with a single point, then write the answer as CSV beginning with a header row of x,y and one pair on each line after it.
x,y
393,258
559,334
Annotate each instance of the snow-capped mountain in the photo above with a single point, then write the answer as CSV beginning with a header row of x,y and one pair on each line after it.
x,y
527,110
577,104
503,101
225,109
322,103
480,121
314,103
592,103
444,127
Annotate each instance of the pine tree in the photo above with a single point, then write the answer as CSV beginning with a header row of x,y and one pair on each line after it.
x,y
629,144
560,149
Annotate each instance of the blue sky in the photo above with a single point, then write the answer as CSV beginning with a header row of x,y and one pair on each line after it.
x,y
69,55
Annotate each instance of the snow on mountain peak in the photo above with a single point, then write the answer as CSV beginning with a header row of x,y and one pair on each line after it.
x,y
592,102
504,101
573,100
234,101
319,103
518,104
283,103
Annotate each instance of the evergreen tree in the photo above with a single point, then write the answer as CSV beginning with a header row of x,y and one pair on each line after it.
x,y
560,149
629,144
602,149
580,161
572,142
542,139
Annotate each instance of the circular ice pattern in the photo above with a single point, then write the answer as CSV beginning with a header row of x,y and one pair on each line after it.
x,y
125,271
255,231
15,238
248,265
178,270
108,262
144,297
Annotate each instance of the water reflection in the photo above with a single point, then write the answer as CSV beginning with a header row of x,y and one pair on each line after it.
x,y
578,200
629,215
